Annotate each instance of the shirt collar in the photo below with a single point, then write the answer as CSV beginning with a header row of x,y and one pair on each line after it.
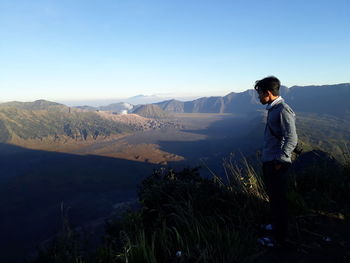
x,y
276,101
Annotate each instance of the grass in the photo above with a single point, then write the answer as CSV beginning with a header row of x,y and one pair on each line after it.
x,y
187,218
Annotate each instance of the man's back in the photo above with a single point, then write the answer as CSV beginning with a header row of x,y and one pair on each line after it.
x,y
280,137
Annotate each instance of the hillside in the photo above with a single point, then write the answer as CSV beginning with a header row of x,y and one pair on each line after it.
x,y
172,106
36,105
42,119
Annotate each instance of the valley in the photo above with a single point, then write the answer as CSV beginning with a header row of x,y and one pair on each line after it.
x,y
88,177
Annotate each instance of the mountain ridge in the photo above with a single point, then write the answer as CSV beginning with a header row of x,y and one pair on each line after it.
x,y
300,98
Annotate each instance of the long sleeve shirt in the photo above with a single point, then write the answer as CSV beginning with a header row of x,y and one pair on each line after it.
x,y
280,137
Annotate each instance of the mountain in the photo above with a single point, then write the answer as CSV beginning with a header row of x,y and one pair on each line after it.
x,y
309,99
172,105
205,105
41,119
151,111
231,103
325,99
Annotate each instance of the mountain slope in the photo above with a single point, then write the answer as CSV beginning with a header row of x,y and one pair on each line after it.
x,y
36,105
151,111
326,99
172,106
41,119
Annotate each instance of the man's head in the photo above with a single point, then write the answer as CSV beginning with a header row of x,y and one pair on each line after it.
x,y
268,89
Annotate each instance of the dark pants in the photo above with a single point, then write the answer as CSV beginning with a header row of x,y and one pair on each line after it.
x,y
276,182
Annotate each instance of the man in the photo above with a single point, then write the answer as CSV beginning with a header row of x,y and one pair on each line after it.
x,y
280,139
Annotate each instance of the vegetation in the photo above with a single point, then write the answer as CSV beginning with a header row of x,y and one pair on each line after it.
x,y
187,218
325,132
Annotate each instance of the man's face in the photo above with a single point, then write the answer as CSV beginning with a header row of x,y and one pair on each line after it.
x,y
264,97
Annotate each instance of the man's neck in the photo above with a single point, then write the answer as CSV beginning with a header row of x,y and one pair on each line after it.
x,y
272,103
272,99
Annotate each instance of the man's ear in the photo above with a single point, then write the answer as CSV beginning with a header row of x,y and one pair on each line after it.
x,y
271,96
269,93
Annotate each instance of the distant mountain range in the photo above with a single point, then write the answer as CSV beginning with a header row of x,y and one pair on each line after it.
x,y
326,99
135,100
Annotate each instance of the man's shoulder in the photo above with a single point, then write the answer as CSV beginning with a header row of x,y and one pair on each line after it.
x,y
284,107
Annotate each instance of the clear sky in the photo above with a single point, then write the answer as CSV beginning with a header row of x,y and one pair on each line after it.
x,y
84,49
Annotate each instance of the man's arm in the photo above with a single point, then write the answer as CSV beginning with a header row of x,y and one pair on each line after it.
x,y
289,134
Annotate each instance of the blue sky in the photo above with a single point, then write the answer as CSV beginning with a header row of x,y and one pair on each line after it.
x,y
81,49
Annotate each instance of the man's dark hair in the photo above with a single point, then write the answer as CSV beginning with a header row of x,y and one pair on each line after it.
x,y
270,83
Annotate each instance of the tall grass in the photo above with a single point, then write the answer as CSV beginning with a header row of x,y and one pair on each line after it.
x,y
66,246
244,179
206,219
187,218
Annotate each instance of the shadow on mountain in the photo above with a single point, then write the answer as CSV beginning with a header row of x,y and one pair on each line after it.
x,y
35,183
